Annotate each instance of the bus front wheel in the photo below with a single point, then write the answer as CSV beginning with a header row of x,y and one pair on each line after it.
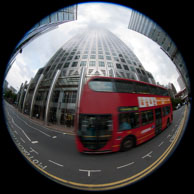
x,y
127,143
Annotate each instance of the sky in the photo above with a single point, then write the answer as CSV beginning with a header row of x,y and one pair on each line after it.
x,y
110,16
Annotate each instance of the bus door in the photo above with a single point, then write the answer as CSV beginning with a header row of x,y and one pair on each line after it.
x,y
158,123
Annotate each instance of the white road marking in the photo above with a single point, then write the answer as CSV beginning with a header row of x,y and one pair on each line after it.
x,y
125,165
33,127
89,171
161,143
22,140
54,137
56,163
34,142
168,136
147,155
21,130
32,150
15,132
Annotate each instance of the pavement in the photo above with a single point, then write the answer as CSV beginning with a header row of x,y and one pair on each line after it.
x,y
60,128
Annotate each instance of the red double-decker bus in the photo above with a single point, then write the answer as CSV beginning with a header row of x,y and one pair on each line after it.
x,y
116,114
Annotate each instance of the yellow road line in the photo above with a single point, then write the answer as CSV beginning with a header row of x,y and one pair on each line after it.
x,y
123,182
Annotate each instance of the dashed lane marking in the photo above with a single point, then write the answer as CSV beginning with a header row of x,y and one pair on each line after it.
x,y
56,163
125,165
161,144
34,142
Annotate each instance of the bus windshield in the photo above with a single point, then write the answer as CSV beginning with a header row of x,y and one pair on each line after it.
x,y
94,130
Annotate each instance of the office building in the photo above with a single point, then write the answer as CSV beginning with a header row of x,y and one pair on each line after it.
x,y
47,24
142,24
51,95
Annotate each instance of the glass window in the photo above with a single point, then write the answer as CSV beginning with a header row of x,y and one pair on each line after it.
x,y
154,90
138,71
74,64
71,16
84,56
83,63
92,56
123,60
70,58
109,64
162,92
129,120
77,56
63,58
103,86
100,52
107,53
63,73
147,117
128,61
126,67
66,65
118,66
101,64
92,63
53,17
132,68
55,96
95,130
122,86
143,72
116,59
73,95
142,88
108,57
100,57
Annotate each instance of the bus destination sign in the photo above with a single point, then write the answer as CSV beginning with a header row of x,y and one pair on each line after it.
x,y
127,108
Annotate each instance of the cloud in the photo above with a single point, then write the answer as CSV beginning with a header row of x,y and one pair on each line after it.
x,y
111,16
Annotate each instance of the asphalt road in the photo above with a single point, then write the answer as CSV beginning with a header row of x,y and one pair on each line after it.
x,y
54,154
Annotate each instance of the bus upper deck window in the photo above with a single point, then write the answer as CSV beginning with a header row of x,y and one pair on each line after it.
x,y
101,86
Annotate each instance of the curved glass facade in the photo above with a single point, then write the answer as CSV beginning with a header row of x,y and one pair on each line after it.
x,y
52,94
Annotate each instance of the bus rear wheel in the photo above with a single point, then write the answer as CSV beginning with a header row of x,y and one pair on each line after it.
x,y
127,143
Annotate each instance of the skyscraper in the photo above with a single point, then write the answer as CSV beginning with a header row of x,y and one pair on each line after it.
x,y
53,91
142,24
48,23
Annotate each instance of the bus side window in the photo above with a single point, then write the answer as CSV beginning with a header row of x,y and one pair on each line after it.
x,y
129,120
147,117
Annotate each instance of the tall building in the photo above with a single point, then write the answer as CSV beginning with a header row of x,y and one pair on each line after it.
x,y
48,23
142,24
52,93
181,83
